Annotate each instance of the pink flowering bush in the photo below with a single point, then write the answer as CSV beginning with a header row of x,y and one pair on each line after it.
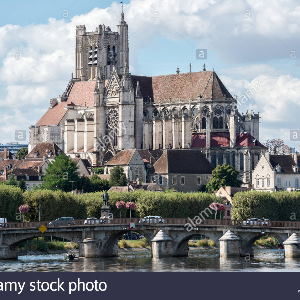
x,y
24,209
120,204
131,205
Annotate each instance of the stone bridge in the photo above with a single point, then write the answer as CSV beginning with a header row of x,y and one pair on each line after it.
x,y
168,239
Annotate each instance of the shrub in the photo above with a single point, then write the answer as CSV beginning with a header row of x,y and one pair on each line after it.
x,y
11,198
255,204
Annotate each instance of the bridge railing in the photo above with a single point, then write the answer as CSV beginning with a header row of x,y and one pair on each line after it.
x,y
168,221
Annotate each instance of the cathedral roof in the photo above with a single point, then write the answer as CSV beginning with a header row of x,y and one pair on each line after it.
x,y
182,87
81,93
183,162
222,140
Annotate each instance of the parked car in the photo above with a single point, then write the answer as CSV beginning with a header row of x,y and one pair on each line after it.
x,y
93,221
3,222
152,220
63,221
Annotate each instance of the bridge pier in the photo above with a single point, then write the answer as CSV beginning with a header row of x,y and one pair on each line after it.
x,y
90,248
7,253
230,245
292,246
162,245
81,249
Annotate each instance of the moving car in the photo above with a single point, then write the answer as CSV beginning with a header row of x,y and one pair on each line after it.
x,y
152,220
256,222
62,221
94,221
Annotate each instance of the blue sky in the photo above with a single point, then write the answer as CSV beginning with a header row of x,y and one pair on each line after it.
x,y
252,45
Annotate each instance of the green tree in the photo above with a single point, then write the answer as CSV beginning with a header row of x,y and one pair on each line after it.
x,y
61,174
117,177
21,154
224,175
93,184
98,171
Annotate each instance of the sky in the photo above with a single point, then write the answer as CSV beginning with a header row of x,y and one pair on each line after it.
x,y
253,46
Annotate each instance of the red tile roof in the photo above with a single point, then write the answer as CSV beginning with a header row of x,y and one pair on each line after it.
x,y
81,94
222,139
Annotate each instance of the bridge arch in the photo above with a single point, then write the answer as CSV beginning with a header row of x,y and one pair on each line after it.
x,y
109,245
13,241
181,247
248,240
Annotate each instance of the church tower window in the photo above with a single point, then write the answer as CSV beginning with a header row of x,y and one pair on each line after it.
x,y
203,125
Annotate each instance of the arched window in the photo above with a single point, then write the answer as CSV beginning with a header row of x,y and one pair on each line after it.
x,y
220,125
215,122
203,125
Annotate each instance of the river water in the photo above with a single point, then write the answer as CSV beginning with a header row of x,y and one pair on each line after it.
x,y
199,260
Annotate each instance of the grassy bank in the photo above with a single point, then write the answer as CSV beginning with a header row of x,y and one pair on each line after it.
x,y
46,246
142,243
202,243
267,242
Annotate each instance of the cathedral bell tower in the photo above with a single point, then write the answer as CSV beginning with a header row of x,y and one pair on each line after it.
x,y
102,49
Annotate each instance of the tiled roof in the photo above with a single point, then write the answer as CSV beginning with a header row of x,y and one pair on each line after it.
x,y
286,162
5,154
182,87
222,139
183,162
81,94
44,150
150,156
121,158
53,115
11,163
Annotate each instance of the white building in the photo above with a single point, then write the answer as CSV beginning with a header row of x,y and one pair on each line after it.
x,y
277,172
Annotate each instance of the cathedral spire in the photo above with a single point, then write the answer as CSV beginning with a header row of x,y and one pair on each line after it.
x,y
122,13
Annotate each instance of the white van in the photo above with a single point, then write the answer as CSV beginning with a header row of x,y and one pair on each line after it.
x,y
3,222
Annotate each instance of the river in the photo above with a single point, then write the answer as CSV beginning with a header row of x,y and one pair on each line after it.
x,y
199,260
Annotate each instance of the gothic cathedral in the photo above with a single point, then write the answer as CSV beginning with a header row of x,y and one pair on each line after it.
x,y
105,109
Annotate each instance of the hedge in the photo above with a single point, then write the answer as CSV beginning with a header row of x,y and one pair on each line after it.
x,y
11,198
278,206
53,204
168,205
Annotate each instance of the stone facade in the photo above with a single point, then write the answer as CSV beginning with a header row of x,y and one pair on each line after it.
x,y
105,109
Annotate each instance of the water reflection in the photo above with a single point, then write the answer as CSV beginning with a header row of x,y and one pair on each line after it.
x,y
198,261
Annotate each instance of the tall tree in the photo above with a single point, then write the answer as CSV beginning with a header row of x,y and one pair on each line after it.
x,y
277,147
117,177
224,175
61,174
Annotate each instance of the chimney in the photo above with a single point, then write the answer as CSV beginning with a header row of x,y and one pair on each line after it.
x,y
232,130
